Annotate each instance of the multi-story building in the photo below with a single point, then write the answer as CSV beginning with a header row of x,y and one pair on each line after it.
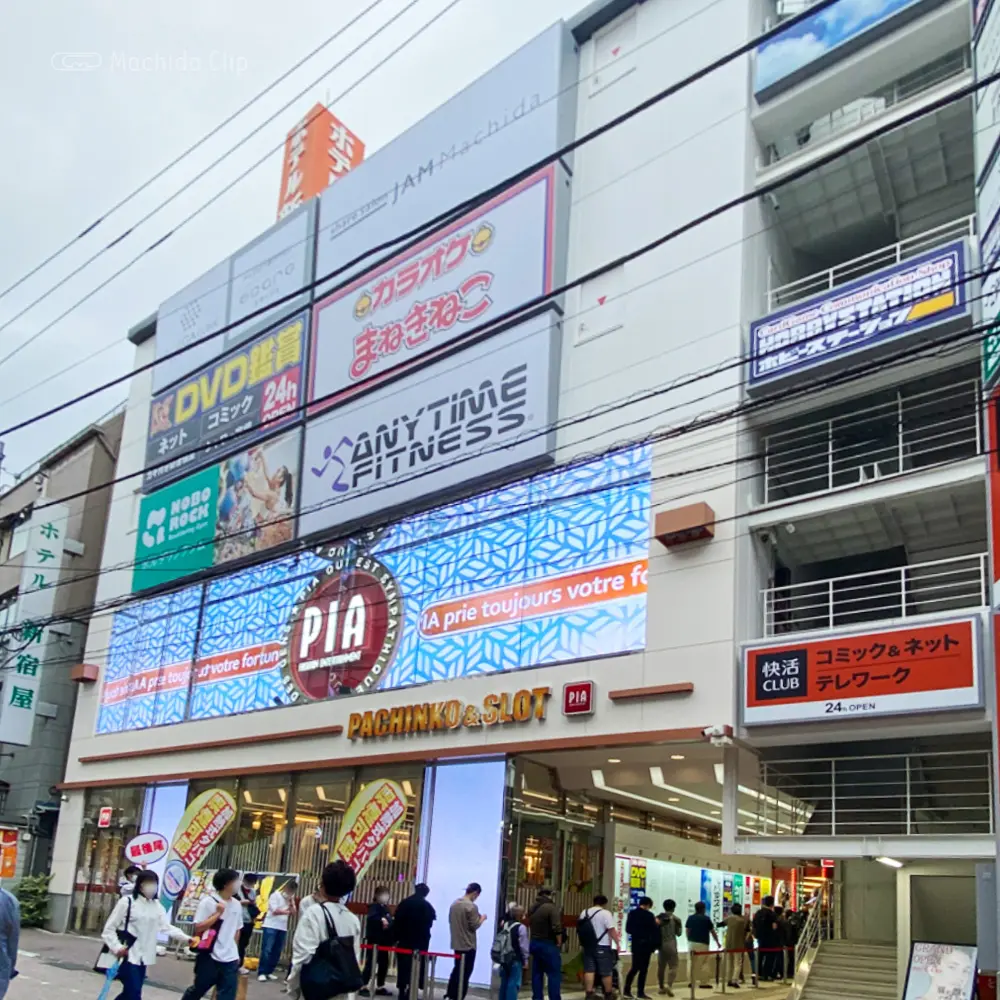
x,y
52,523
674,583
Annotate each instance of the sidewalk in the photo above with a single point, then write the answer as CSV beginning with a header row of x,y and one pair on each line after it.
x,y
60,965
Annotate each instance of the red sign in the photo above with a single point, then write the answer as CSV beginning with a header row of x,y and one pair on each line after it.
x,y
344,631
318,151
147,848
904,669
104,817
826,862
578,698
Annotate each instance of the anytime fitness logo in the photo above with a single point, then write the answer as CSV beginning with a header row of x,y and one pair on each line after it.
x,y
345,628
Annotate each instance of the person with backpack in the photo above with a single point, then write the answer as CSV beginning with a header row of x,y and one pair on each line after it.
x,y
597,932
326,948
545,922
644,931
510,951
668,959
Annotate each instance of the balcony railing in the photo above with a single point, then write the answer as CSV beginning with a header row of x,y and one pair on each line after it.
x,y
823,281
917,794
872,106
937,587
914,431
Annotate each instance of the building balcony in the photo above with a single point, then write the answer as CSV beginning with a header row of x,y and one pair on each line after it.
x,y
900,431
897,804
820,282
938,587
871,110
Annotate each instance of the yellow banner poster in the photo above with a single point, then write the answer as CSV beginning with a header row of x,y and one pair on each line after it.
x,y
203,822
373,816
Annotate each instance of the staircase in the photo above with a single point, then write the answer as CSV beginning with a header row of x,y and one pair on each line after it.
x,y
852,970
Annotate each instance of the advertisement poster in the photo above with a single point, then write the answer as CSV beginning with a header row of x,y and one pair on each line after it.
x,y
247,393
267,882
203,823
371,818
685,884
542,571
816,41
940,971
914,668
146,849
896,302
469,415
487,263
243,505
8,854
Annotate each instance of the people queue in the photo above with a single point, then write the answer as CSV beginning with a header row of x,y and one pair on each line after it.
x,y
225,918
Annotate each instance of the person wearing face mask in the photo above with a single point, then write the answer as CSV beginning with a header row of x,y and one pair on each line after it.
x,y
141,918
280,905
378,933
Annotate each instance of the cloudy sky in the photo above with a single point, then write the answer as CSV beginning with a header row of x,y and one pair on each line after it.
x,y
154,79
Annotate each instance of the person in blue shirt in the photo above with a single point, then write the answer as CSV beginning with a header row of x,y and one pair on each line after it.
x,y
700,930
10,932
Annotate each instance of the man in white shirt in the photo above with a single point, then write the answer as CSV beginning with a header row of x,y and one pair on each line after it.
x,y
599,958
280,904
338,880
218,966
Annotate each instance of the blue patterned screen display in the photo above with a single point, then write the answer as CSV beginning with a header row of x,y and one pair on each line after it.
x,y
545,570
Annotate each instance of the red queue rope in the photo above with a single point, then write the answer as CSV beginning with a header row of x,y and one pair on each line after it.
x,y
743,951
409,951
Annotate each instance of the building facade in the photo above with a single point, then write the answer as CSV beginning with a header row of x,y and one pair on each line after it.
x,y
36,737
677,581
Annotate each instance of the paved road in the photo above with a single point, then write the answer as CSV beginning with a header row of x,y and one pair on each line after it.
x,y
41,981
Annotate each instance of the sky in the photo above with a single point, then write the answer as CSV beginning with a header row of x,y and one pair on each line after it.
x,y
817,35
101,94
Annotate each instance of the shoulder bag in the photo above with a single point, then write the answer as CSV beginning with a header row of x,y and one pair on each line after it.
x,y
333,969
105,960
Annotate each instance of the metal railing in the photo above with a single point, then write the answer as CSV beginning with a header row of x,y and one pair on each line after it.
x,y
914,431
869,263
947,793
937,587
870,107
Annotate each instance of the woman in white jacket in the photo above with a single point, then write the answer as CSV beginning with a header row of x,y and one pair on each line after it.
x,y
142,916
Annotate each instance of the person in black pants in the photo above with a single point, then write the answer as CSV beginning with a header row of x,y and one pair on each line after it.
x,y
379,934
642,927
218,965
247,897
414,917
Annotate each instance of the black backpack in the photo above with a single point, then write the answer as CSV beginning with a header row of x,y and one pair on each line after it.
x,y
333,969
589,941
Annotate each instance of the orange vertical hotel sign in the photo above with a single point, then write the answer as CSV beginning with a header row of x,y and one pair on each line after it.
x,y
317,151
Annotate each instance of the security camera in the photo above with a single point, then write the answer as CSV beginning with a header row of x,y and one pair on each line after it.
x,y
772,200
718,736
711,731
765,537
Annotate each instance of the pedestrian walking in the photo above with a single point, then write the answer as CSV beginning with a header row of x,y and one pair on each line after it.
x,y
414,918
131,930
280,906
10,933
218,921
597,932
644,931
512,965
464,920
314,927
379,934
546,930
247,897
734,942
699,932
668,959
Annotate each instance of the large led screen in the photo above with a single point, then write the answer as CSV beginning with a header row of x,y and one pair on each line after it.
x,y
542,571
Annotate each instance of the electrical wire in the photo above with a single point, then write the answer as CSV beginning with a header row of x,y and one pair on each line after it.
x,y
122,202
416,234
